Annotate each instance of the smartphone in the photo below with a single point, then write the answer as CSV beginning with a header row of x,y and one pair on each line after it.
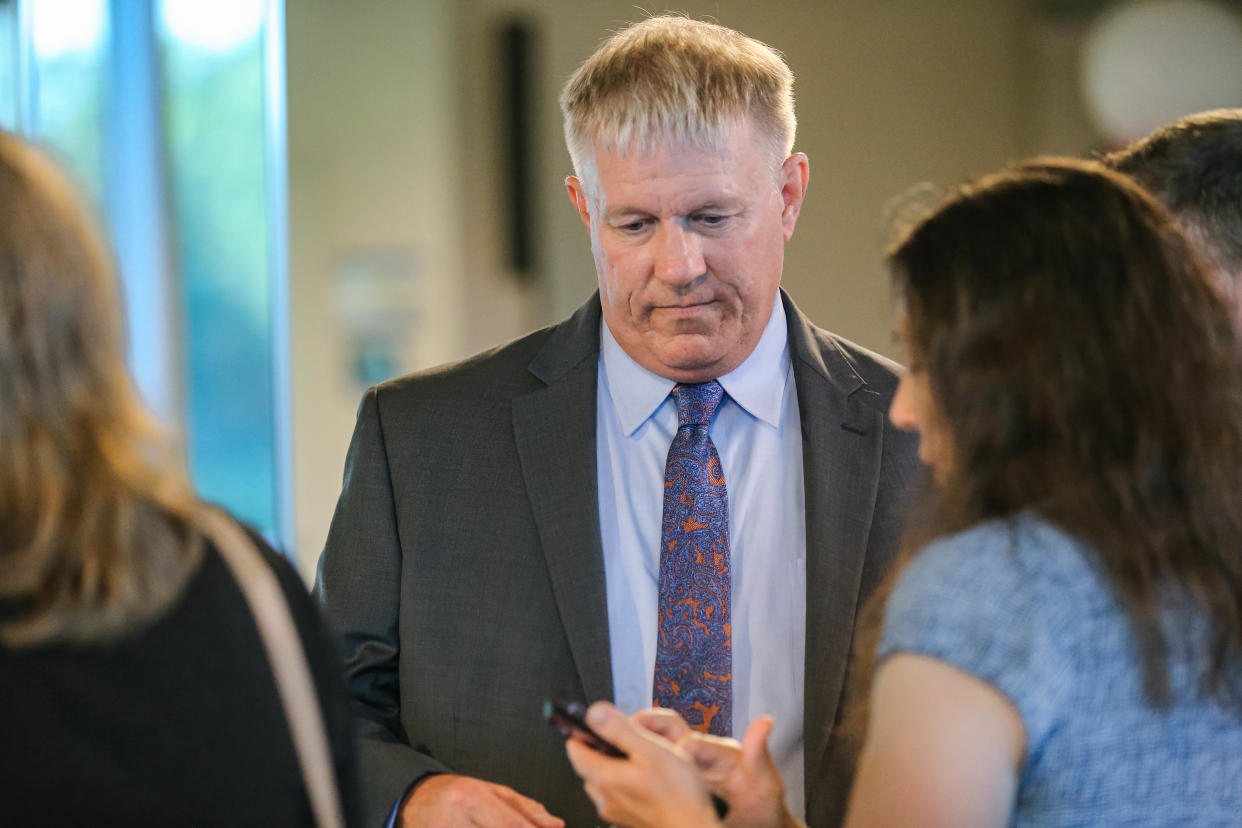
x,y
569,717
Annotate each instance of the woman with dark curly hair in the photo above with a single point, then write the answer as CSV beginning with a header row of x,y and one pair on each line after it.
x,y
1064,645
134,685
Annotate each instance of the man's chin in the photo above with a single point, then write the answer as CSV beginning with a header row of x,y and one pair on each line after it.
x,y
685,360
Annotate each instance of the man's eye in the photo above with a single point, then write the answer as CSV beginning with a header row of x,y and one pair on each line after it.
x,y
711,220
633,227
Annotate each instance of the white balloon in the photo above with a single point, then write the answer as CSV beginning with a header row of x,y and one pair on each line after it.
x,y
1147,63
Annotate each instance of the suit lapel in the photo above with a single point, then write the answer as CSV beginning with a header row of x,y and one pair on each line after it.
x,y
841,450
554,427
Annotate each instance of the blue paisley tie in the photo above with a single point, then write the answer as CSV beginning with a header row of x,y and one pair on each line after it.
x,y
694,646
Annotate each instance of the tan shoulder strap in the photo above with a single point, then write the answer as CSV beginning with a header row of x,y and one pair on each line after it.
x,y
284,652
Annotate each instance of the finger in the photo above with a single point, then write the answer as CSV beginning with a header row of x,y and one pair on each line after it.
x,y
587,762
529,808
712,755
755,743
593,766
612,725
663,721
596,796
583,739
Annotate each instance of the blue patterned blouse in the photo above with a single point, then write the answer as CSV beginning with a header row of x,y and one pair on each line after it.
x,y
1018,604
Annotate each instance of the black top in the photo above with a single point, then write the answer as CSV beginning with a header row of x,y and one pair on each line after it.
x,y
179,724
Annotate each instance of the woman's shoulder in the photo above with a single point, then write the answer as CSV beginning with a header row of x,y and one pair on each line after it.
x,y
1002,591
219,574
319,646
1023,551
1002,601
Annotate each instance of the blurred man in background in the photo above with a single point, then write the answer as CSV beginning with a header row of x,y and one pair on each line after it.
x,y
1194,166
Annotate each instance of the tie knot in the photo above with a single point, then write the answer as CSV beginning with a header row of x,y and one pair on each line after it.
x,y
697,402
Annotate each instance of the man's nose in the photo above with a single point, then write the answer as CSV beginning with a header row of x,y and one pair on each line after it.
x,y
678,254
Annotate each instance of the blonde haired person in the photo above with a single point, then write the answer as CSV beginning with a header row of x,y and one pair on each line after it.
x,y
504,532
134,688
675,80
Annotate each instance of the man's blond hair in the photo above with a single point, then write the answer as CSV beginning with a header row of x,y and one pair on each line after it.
x,y
673,79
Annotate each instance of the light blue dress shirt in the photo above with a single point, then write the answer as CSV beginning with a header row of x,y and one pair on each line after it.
x,y
758,434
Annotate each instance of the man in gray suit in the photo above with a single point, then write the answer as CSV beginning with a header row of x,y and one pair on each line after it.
x,y
499,536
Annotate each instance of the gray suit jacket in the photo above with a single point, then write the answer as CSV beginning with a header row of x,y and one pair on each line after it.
x,y
464,571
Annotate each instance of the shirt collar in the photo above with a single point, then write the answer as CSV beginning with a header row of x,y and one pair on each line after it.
x,y
757,385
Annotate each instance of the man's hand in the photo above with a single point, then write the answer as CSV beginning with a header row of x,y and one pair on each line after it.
x,y
448,801
743,775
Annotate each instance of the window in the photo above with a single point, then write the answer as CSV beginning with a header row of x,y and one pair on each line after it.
x,y
66,72
212,56
170,116
9,62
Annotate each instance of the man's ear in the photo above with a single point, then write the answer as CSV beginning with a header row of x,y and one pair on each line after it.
x,y
795,175
577,194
